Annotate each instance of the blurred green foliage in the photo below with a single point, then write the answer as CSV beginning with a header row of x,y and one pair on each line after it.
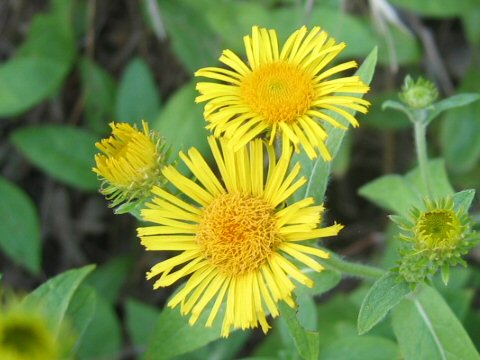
x,y
86,300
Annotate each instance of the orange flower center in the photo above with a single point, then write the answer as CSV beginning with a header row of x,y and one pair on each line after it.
x,y
278,92
238,232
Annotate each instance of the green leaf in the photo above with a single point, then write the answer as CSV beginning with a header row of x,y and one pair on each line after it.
x,y
259,358
26,82
54,296
307,311
20,229
426,328
64,152
460,291
308,317
471,25
338,311
223,348
109,278
65,10
232,29
383,296
392,193
472,324
81,311
459,301
306,342
50,37
184,21
451,102
99,90
399,193
463,199
138,97
317,172
323,281
436,8
341,162
181,122
39,67
396,105
361,348
141,321
174,336
460,130
102,338
438,180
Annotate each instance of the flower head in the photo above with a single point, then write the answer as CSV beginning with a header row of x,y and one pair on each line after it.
x,y
24,335
130,163
436,237
285,90
239,242
418,94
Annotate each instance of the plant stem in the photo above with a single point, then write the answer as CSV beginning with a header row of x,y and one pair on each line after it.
x,y
421,147
358,270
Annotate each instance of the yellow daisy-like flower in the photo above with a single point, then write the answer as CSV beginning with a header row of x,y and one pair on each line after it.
x,y
130,163
285,90
26,336
240,242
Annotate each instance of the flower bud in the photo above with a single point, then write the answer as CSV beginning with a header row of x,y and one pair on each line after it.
x,y
418,94
131,162
434,238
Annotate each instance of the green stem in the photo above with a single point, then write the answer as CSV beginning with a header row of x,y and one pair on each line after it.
x,y
421,147
358,270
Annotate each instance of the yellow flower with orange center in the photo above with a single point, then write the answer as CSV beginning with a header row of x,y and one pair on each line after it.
x,y
287,91
239,244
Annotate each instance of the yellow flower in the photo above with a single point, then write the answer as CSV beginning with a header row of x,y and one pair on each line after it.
x,y
130,163
239,243
281,91
26,336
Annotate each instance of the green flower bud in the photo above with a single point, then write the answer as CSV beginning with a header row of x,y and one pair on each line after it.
x,y
433,238
418,95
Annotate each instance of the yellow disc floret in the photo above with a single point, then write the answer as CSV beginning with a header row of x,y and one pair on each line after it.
x,y
279,92
438,229
238,232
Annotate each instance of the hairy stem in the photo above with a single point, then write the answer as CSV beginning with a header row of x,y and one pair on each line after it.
x,y
421,147
353,269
